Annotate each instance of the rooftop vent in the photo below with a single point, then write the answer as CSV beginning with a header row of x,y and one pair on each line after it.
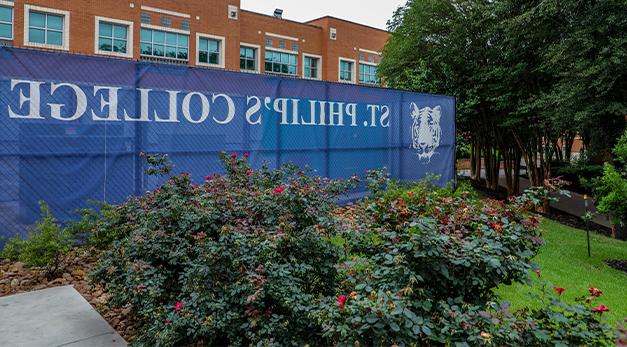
x,y
278,13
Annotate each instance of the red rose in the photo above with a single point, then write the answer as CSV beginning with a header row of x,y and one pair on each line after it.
x,y
601,309
595,292
233,155
246,155
249,172
559,290
208,177
196,186
278,190
178,306
341,301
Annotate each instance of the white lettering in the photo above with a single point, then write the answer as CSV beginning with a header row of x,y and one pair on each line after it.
x,y
81,102
230,104
33,100
111,103
280,106
385,118
253,109
204,114
143,107
351,111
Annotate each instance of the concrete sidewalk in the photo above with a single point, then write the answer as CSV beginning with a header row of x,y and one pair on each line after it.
x,y
53,317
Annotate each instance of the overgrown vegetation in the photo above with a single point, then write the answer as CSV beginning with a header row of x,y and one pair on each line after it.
x,y
45,245
261,258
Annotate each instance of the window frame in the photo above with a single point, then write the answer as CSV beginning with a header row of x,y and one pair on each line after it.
x,y
65,36
353,70
11,5
257,49
319,77
129,37
376,83
166,30
282,51
222,40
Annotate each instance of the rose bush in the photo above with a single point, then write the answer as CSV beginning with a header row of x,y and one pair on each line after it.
x,y
260,257
239,259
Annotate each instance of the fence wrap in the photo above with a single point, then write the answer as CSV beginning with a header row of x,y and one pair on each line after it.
x,y
72,128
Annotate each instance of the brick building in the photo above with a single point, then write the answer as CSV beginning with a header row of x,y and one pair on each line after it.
x,y
204,33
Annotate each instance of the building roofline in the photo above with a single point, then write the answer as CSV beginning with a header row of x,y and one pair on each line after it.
x,y
281,19
347,21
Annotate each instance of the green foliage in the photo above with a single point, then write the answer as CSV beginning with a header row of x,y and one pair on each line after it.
x,y
238,260
611,188
525,73
261,258
44,246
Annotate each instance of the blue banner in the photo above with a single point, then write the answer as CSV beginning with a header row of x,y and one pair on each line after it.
x,y
72,128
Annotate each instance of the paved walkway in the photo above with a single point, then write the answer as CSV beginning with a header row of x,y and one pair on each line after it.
x,y
53,317
573,205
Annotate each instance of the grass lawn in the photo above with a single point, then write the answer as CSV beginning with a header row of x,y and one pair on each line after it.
x,y
564,262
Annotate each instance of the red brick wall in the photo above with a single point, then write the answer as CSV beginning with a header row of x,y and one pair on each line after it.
x,y
210,17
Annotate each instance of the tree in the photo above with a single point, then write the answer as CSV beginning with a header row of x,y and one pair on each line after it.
x,y
510,64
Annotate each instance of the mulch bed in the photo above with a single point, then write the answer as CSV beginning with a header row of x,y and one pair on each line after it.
x,y
16,278
617,264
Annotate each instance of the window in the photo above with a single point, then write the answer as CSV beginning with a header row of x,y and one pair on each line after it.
x,y
210,50
114,37
248,58
269,42
295,47
333,34
282,63
166,22
163,44
311,67
368,74
185,25
282,44
145,18
347,70
6,22
45,27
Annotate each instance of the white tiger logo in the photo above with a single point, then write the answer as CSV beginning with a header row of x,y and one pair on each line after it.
x,y
426,131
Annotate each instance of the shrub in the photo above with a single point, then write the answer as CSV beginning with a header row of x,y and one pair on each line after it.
x,y
261,258
611,188
44,246
239,259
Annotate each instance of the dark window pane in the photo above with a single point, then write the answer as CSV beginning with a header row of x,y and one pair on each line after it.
x,y
55,22
5,31
37,20
37,35
203,57
120,46
146,35
182,53
170,39
120,32
158,50
146,48
106,29
55,38
104,44
6,14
